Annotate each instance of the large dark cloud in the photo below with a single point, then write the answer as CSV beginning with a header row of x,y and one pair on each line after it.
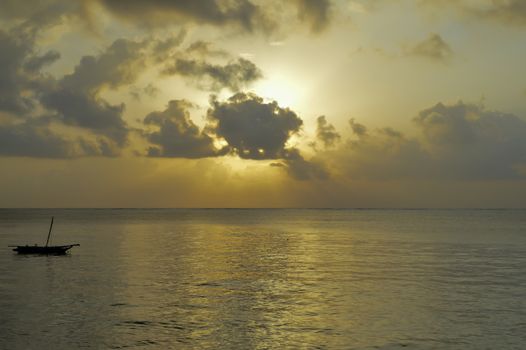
x,y
177,135
456,142
233,75
255,129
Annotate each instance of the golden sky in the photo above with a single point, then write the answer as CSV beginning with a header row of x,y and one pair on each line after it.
x,y
253,103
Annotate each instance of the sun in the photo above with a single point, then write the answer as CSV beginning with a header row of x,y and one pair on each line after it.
x,y
280,88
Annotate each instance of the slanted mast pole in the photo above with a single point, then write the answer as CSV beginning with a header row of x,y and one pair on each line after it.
x,y
50,227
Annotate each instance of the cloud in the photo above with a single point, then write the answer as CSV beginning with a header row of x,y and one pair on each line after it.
x,y
254,129
247,16
315,13
177,135
301,169
504,11
259,130
461,142
507,11
471,142
240,13
163,49
206,49
36,63
357,128
33,139
118,65
16,50
87,111
326,132
76,97
36,99
26,140
234,75
34,16
433,47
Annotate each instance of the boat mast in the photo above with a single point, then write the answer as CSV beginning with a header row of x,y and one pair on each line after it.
x,y
50,227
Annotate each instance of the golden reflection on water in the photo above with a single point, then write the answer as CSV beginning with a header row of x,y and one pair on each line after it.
x,y
217,282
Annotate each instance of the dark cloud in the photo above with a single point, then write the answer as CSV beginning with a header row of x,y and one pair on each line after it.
x,y
164,48
34,16
326,132
457,142
25,140
75,98
118,65
474,143
206,49
33,139
241,13
245,15
87,111
15,51
177,135
301,169
36,99
234,75
433,47
253,128
507,11
36,63
316,13
357,128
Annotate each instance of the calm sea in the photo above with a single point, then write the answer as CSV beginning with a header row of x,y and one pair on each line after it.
x,y
265,279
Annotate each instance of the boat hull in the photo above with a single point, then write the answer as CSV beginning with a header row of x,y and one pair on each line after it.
x,y
49,250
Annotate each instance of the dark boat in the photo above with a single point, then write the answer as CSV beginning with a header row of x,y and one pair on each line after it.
x,y
44,250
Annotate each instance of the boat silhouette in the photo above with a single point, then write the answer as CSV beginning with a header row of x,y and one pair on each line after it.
x,y
44,250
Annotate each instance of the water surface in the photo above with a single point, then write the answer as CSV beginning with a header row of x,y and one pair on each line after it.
x,y
263,279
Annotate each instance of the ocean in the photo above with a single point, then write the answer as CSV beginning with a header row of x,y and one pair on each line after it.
x,y
265,279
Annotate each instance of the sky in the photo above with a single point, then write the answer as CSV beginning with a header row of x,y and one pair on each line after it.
x,y
263,103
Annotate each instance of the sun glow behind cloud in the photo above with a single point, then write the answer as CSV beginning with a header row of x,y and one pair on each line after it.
x,y
283,89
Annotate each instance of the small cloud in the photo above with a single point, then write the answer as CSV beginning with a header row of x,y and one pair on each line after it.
x,y
326,132
357,128
433,47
